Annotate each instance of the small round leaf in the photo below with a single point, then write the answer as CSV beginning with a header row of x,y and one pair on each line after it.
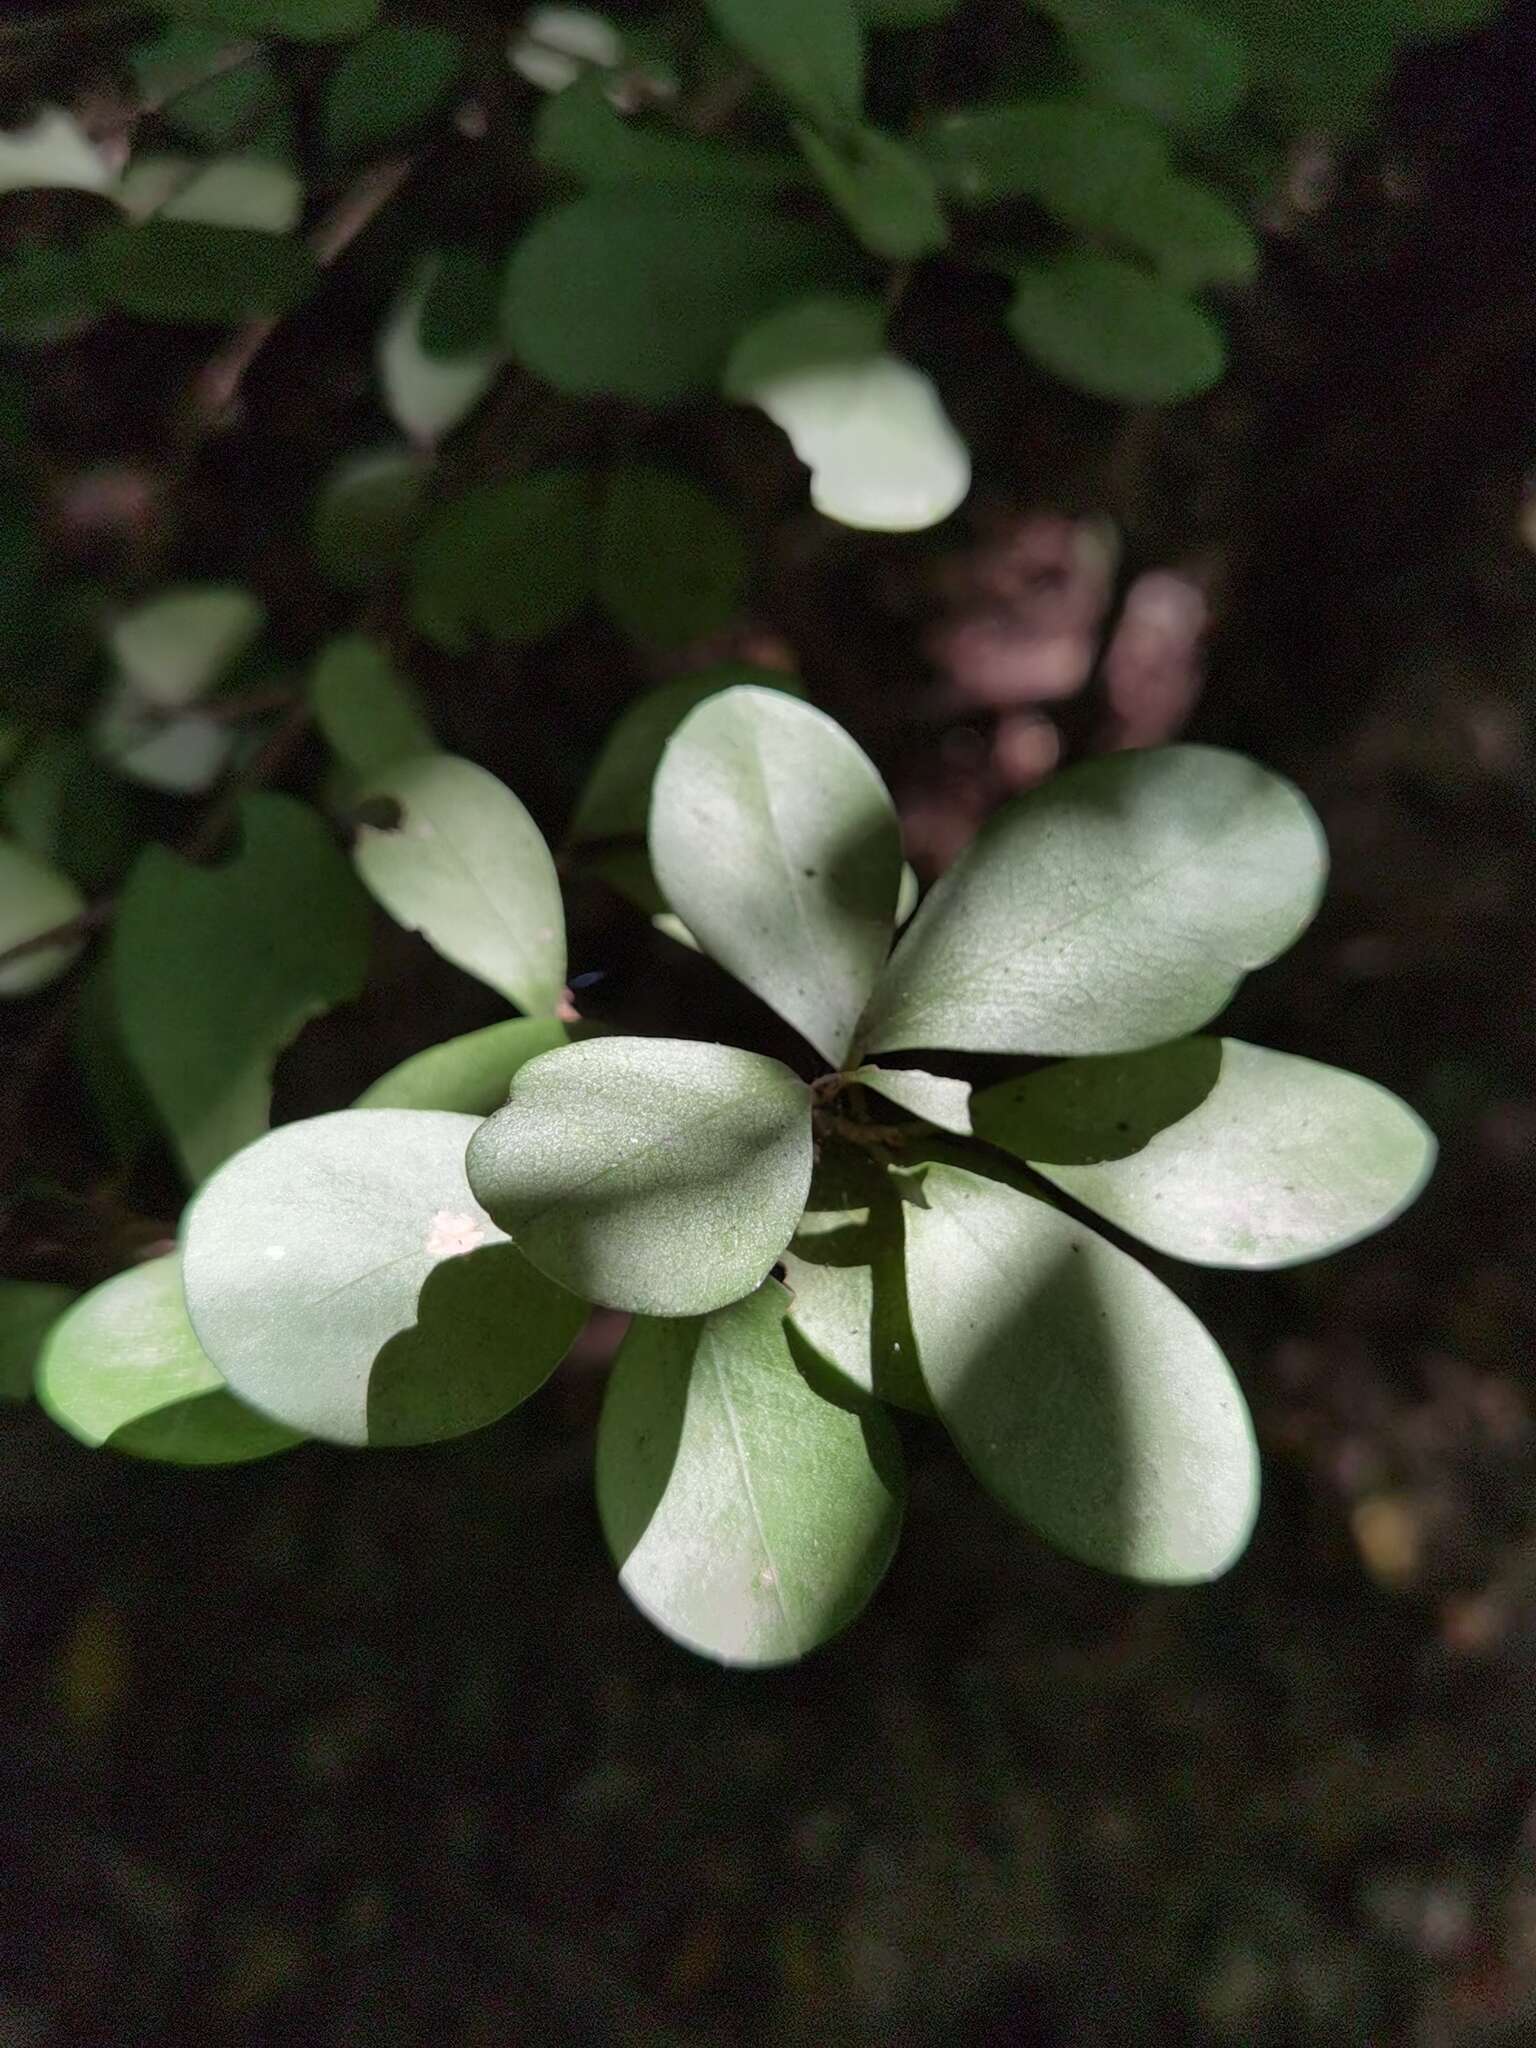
x,y
1216,1151
344,1279
774,840
1107,328
387,85
1080,1391
813,50
367,512
656,1175
367,712
671,564
471,1074
750,1518
124,1369
510,560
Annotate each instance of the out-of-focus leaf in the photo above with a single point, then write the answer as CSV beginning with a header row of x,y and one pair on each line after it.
x,y
63,806
426,393
183,753
212,87
174,647
53,151
813,50
671,563
367,512
1177,63
217,969
28,1311
179,271
460,312
34,897
512,561
1108,328
365,709
556,45
1077,161
581,133
882,188
47,294
246,191
387,85
305,21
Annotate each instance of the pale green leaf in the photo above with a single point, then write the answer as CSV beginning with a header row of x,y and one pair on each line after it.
x,y
123,1369
28,1311
671,926
387,85
425,393
174,647
671,563
367,512
650,1174
218,969
1080,1391
1108,328
1116,907
773,838
882,188
181,271
557,44
934,1097
34,897
343,1279
366,710
750,1519
639,294
305,21
245,191
582,134
182,752
869,426
1174,62
470,1074
52,151
1216,1151
512,561
845,1267
616,800
467,867
1073,159
908,894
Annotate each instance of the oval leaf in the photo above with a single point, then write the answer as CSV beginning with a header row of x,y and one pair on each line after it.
x,y
870,428
640,294
1218,1152
1079,1390
123,1369
934,1097
774,840
813,50
509,560
471,1074
1073,159
671,564
750,1519
243,191
1173,62
650,1174
883,189
176,646
367,512
426,393
182,271
344,1280
365,710
1115,908
34,897
467,867
217,969
1107,328
387,85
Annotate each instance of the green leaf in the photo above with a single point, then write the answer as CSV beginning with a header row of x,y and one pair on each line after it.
x,y
122,1107
813,50
905,13
123,1369
1216,1151
1116,907
470,1074
64,807
1185,228
179,271
849,1324
188,72
750,1519
580,133
467,867
649,1174
934,1097
1175,63
1107,328
671,564
1080,1391
218,969
870,428
773,838
176,646
34,897
907,895
640,294
47,295
54,152
28,1311
388,85
344,1279
367,712
367,513
509,560
304,21
882,188
244,191
1077,161
616,801
427,394
461,311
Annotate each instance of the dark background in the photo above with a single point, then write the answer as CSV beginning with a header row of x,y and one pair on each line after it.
x,y
370,1749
